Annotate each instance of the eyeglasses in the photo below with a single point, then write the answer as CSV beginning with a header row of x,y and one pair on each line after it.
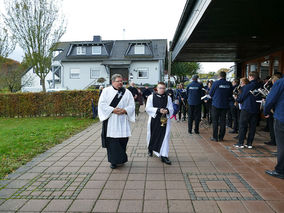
x,y
161,88
118,81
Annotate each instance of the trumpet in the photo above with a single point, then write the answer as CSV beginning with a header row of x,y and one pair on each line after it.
x,y
236,91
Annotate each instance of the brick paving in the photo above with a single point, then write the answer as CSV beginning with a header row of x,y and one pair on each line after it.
x,y
204,176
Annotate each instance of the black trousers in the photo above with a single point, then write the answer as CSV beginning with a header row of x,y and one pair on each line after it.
x,y
219,120
229,117
116,150
235,116
209,111
271,128
247,121
204,109
279,135
194,113
182,109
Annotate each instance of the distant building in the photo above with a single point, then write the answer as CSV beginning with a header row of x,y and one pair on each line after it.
x,y
78,65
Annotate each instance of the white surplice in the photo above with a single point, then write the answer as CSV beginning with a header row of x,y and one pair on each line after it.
x,y
164,151
118,125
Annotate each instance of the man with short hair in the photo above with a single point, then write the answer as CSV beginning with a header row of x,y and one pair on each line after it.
x,y
116,108
221,92
159,104
249,111
194,93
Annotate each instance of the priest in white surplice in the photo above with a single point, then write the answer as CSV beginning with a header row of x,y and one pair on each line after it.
x,y
115,109
158,136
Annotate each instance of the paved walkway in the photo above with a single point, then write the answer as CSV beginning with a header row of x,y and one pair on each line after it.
x,y
204,177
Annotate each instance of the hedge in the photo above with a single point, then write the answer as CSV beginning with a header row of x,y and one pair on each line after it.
x,y
57,104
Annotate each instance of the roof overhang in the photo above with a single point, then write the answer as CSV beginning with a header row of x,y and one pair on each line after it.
x,y
223,31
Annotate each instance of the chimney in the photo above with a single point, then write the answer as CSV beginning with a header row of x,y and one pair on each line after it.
x,y
97,38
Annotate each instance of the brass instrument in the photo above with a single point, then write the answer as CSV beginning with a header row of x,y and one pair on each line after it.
x,y
163,120
236,91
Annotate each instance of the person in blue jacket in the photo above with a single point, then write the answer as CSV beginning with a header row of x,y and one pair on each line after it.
x,y
194,94
221,92
275,101
249,111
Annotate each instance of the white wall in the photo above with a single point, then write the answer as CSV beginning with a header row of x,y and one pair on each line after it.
x,y
85,74
153,72
33,82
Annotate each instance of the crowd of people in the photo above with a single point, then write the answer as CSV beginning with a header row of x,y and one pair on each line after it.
x,y
238,104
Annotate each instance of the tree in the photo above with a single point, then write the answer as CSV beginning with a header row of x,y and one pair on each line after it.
x,y
6,44
11,73
37,26
183,69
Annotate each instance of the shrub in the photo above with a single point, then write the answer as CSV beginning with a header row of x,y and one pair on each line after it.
x,y
76,103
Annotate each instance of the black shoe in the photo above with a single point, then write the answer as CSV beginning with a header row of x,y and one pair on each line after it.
x,y
189,131
270,143
112,166
233,132
196,131
274,174
214,139
150,153
166,160
221,139
265,129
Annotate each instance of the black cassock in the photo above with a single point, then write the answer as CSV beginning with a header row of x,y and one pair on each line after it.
x,y
157,131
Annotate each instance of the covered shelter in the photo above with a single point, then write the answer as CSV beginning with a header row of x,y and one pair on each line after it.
x,y
247,32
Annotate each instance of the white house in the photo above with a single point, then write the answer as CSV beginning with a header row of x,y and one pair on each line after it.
x,y
78,65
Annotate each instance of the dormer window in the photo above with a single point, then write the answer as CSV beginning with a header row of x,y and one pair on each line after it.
x,y
96,50
81,50
139,49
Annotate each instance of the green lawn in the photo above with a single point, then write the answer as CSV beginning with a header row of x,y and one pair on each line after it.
x,y
24,138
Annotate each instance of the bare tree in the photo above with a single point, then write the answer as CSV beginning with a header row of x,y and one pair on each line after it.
x,y
37,26
6,45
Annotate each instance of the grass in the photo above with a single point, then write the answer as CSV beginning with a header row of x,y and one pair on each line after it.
x,y
24,138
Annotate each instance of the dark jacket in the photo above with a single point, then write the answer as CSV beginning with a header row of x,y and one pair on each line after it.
x,y
134,91
275,99
194,93
247,99
221,92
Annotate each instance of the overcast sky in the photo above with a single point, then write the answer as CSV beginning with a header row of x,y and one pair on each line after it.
x,y
141,19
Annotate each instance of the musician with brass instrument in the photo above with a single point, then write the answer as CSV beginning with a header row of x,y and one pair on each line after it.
x,y
249,112
159,108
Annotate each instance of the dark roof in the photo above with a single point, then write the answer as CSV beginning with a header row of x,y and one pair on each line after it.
x,y
234,30
114,50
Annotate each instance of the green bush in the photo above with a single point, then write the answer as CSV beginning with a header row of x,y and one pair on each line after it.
x,y
56,104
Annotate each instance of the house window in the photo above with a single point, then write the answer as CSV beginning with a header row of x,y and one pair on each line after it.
x,y
81,50
74,73
96,50
143,73
94,73
139,49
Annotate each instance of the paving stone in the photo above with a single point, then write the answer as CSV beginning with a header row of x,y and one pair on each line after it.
x,y
34,205
130,206
106,206
12,205
58,205
81,206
